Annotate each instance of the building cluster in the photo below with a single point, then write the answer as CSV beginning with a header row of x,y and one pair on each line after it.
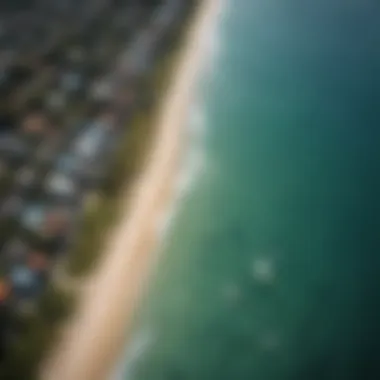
x,y
31,26
59,126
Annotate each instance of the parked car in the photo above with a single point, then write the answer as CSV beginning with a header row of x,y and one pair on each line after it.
x,y
45,219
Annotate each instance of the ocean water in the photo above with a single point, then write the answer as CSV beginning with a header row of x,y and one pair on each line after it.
x,y
270,269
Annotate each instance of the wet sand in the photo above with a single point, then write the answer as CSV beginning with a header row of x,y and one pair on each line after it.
x,y
99,328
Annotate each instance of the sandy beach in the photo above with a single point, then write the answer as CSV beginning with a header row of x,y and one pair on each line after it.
x,y
97,331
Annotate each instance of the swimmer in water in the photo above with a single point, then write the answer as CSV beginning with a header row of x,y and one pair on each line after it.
x,y
263,271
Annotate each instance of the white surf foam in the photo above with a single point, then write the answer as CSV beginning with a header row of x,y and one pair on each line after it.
x,y
193,164
213,41
194,158
197,121
139,345
164,223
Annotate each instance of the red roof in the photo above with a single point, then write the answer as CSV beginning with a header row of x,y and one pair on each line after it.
x,y
38,261
4,290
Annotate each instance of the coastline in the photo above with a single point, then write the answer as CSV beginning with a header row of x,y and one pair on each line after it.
x,y
106,309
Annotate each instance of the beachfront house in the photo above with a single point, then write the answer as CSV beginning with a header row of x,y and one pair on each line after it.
x,y
102,90
39,261
91,141
45,219
91,150
46,226
26,286
139,60
60,185
33,216
57,221
25,282
35,123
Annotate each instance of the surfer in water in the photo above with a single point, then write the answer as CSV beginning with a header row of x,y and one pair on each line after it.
x,y
264,271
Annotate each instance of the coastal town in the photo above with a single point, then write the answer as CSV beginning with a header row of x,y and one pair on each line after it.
x,y
73,75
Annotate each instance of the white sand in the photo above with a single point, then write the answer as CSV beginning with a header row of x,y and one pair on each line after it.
x,y
96,333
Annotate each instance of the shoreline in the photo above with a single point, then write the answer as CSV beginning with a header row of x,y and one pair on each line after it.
x,y
99,327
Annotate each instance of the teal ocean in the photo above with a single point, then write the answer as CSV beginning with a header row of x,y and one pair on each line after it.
x,y
271,267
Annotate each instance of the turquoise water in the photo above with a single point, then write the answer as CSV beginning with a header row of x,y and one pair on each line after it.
x,y
271,268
